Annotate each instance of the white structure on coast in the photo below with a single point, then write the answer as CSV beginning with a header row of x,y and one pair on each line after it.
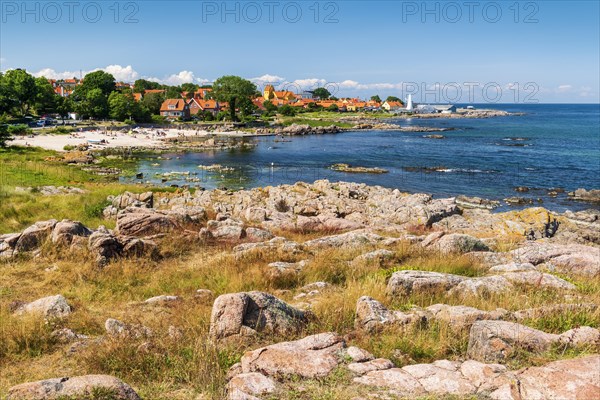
x,y
409,103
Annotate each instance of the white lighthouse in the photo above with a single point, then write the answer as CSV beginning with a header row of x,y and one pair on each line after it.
x,y
409,103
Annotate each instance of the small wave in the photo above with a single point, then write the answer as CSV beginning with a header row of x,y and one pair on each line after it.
x,y
517,139
429,170
514,144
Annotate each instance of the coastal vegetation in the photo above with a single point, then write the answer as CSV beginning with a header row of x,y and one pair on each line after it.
x,y
191,363
99,98
180,358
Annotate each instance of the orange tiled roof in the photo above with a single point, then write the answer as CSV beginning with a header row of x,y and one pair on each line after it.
x,y
178,103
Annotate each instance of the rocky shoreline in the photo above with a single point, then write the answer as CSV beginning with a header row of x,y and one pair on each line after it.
x,y
362,125
547,250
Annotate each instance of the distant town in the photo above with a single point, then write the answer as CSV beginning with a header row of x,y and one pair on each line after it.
x,y
99,96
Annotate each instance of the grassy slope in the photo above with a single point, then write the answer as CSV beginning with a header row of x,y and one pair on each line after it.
x,y
178,368
28,167
181,368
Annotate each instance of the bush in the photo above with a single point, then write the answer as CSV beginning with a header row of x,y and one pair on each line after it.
x,y
20,129
95,210
69,147
282,206
129,122
158,119
287,110
61,130
5,135
223,116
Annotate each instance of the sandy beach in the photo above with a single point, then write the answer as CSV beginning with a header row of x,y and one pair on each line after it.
x,y
142,137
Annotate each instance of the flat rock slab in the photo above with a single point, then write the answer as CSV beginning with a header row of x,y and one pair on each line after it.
x,y
574,379
495,341
350,239
311,357
243,386
74,387
406,282
573,259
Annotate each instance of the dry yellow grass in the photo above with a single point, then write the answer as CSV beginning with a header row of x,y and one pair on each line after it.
x,y
187,366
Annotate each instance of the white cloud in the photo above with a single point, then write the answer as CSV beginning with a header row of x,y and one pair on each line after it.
x,y
124,74
585,91
52,74
564,88
180,78
121,74
262,81
309,83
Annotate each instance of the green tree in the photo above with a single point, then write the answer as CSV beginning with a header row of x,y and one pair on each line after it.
x,y
222,116
91,96
141,113
189,87
97,80
269,106
322,93
246,106
45,98
141,85
333,108
376,98
313,107
5,135
64,105
7,101
20,88
173,92
393,98
287,110
121,106
236,91
153,101
205,115
95,105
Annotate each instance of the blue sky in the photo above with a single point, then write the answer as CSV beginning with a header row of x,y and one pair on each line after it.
x,y
550,49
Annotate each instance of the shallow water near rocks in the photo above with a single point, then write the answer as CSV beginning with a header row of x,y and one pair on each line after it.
x,y
551,146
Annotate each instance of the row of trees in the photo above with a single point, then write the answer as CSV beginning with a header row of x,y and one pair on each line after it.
x,y
21,93
98,97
